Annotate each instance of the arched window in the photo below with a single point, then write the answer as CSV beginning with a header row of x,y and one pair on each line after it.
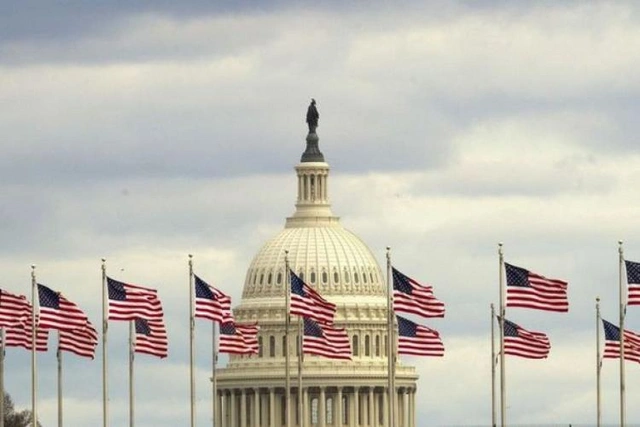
x,y
371,275
284,345
325,277
255,277
279,278
367,345
272,346
336,277
378,345
301,275
328,416
261,278
269,277
354,345
313,276
346,276
355,277
259,346
364,276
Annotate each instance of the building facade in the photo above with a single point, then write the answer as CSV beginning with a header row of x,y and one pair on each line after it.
x,y
336,263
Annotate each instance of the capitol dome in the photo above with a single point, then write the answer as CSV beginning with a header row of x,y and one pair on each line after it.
x,y
339,265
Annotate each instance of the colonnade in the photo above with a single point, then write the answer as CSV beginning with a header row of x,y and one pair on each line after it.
x,y
330,406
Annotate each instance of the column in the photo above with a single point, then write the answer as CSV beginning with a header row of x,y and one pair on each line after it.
x,y
405,406
256,408
356,404
371,419
243,408
351,403
232,408
272,407
338,406
322,408
306,407
385,408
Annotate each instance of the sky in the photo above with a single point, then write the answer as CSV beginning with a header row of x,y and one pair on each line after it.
x,y
143,132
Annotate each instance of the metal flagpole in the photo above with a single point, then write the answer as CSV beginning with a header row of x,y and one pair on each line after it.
x,y
503,403
2,335
622,340
132,344
192,382
301,415
390,345
59,357
214,380
105,393
287,398
493,368
598,365
34,333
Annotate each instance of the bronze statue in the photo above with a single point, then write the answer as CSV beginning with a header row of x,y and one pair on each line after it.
x,y
312,116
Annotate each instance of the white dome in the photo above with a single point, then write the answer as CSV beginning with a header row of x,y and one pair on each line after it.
x,y
331,259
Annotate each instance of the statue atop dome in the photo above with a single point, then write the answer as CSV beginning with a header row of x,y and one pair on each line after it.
x,y
312,116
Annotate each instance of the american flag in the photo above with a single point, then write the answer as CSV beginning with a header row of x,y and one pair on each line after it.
x,y
520,342
325,340
238,339
211,303
410,296
309,303
529,290
56,312
633,279
129,302
81,342
418,340
151,338
20,335
612,343
14,309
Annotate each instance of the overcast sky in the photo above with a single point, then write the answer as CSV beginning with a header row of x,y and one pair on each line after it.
x,y
142,133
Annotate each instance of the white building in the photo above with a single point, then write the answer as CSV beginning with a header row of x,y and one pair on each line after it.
x,y
335,262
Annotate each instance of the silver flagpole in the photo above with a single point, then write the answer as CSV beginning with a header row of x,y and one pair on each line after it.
x,y
132,338
2,336
214,380
34,334
192,382
299,343
493,368
622,315
59,357
503,393
105,322
390,345
598,365
287,398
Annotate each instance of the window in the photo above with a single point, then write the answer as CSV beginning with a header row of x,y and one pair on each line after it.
x,y
314,411
364,277
354,345
325,277
329,412
313,277
279,278
345,410
378,345
284,345
269,277
261,278
355,277
367,345
336,277
272,346
301,276
259,346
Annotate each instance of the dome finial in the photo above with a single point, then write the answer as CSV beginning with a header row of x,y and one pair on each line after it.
x,y
312,152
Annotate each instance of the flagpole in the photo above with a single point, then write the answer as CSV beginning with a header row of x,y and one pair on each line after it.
x,y
287,322
300,361
622,315
105,393
390,344
2,346
34,333
131,357
214,380
192,382
598,365
59,357
503,403
493,368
